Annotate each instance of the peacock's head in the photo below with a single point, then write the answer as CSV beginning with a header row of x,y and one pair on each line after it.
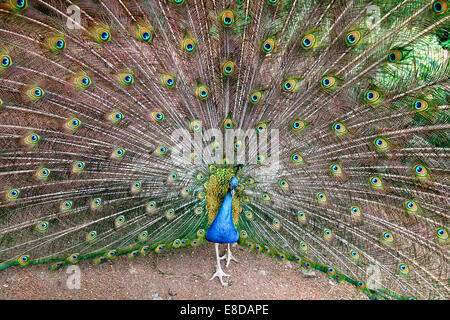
x,y
234,183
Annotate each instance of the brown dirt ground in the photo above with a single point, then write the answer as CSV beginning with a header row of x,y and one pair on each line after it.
x,y
179,274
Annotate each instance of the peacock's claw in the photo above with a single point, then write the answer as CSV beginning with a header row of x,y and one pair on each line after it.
x,y
229,257
219,274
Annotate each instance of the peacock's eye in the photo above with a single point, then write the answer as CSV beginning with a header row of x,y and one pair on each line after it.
x,y
228,68
353,38
6,61
31,139
439,7
168,80
188,45
125,78
35,93
227,18
101,34
340,128
269,45
18,4
372,96
394,56
328,82
143,33
420,105
290,85
308,41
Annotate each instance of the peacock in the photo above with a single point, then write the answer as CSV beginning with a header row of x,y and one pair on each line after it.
x,y
312,131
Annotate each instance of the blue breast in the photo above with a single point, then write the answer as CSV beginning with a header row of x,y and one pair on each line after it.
x,y
222,230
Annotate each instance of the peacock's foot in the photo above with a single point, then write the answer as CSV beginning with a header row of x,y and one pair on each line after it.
x,y
229,257
219,274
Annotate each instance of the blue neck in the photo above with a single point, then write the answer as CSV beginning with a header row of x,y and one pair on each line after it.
x,y
222,230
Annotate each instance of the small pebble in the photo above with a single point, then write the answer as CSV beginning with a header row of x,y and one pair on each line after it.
x,y
132,270
263,272
309,274
157,297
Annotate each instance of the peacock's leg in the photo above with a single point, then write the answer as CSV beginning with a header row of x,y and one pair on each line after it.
x,y
219,273
229,256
